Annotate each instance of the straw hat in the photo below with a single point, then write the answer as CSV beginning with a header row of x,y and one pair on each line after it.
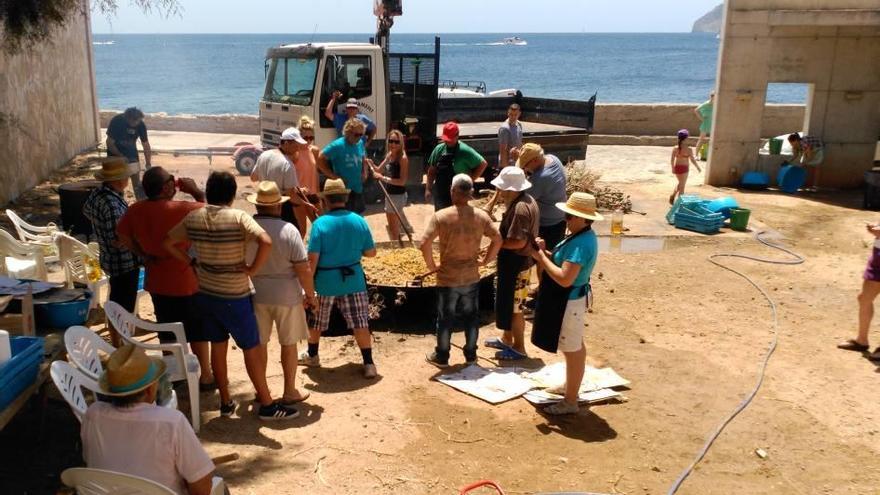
x,y
529,152
334,186
511,179
581,204
115,168
129,371
267,194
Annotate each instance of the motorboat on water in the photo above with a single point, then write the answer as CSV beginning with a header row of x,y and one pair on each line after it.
x,y
516,40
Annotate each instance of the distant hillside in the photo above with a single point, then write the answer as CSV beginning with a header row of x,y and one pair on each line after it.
x,y
709,23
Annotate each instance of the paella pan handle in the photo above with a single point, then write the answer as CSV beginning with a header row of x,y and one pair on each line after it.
x,y
419,280
478,484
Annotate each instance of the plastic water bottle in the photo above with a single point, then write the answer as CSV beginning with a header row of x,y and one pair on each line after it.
x,y
5,347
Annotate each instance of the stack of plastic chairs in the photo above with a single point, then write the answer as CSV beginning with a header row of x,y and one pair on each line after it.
x,y
691,213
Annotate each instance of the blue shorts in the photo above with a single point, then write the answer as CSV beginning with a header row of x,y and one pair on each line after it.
x,y
222,317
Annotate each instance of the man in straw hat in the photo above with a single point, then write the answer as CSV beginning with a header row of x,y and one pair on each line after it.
x,y
279,284
519,227
460,229
562,295
172,284
339,239
132,435
104,207
219,236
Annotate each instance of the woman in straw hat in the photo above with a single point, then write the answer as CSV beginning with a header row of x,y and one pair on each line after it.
x,y
131,434
562,295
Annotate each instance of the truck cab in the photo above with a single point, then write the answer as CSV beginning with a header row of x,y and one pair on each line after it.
x,y
301,78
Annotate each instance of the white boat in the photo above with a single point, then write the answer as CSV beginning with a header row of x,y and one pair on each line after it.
x,y
516,40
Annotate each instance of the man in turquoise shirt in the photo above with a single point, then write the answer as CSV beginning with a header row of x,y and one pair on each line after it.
x,y
338,241
345,158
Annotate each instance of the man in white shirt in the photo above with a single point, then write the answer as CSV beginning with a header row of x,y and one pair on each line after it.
x,y
277,166
132,435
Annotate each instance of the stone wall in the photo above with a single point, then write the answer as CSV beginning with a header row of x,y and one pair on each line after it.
x,y
615,119
48,95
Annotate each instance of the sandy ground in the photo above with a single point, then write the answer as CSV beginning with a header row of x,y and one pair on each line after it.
x,y
690,337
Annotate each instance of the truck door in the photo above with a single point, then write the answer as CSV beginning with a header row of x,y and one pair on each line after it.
x,y
358,76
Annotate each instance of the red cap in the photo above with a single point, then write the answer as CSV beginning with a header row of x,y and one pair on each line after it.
x,y
450,132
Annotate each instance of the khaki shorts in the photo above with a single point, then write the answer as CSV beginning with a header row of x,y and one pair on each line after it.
x,y
521,290
289,320
571,335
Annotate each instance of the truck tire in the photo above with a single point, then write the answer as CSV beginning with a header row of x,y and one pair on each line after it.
x,y
245,162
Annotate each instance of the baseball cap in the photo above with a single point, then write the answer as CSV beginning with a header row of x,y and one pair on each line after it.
x,y
450,132
351,103
292,134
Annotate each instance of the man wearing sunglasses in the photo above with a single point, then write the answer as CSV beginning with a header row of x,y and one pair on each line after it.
x,y
345,158
351,110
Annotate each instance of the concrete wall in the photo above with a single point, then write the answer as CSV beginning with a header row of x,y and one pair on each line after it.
x,y
834,46
611,118
48,90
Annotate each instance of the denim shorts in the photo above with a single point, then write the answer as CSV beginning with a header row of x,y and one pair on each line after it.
x,y
222,317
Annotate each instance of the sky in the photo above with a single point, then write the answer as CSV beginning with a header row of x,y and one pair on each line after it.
x,y
419,16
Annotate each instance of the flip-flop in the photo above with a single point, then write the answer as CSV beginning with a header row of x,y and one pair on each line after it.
x,y
496,343
852,345
290,402
510,354
875,356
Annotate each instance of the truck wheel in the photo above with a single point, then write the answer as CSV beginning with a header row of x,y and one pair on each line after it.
x,y
245,162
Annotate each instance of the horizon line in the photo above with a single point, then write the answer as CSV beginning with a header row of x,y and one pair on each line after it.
x,y
426,33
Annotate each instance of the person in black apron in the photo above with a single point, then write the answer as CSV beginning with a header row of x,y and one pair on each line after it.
x,y
443,178
562,295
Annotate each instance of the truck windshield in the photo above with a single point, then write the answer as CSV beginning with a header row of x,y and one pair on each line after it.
x,y
291,80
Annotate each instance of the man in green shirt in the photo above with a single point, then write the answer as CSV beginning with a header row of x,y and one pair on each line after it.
x,y
449,158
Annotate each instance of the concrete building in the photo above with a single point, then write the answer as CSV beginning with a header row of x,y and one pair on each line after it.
x,y
47,95
834,46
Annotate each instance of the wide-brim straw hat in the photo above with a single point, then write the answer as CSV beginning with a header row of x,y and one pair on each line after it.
x,y
267,194
334,186
115,168
511,179
529,152
581,204
130,371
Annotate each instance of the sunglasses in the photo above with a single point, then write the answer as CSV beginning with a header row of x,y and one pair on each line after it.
x,y
357,134
309,138
393,141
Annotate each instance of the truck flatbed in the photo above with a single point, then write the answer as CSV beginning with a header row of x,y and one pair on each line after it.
x,y
490,129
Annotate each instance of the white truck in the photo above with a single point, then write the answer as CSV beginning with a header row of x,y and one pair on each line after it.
x,y
403,91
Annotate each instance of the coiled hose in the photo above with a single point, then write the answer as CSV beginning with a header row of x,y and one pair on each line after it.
x,y
795,259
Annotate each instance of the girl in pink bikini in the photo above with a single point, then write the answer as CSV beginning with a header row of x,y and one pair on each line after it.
x,y
682,157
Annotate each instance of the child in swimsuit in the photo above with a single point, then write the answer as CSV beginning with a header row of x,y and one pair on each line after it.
x,y
682,157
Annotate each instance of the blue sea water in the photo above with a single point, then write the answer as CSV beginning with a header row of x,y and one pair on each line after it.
x,y
223,73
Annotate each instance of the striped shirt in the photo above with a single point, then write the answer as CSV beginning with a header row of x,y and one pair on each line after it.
x,y
219,237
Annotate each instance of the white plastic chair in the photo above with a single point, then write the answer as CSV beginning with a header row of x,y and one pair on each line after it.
x,y
89,481
32,234
182,363
83,347
20,260
70,382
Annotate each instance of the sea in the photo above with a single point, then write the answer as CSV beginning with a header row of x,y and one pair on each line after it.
x,y
224,73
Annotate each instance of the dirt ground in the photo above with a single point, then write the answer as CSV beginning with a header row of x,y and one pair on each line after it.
x,y
689,335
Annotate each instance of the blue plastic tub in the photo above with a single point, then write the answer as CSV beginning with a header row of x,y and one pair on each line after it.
x,y
722,205
62,314
21,371
791,178
755,180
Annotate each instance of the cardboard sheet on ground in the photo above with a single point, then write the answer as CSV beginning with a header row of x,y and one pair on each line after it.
x,y
553,375
494,386
542,397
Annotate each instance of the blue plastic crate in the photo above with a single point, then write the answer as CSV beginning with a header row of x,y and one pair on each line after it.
x,y
696,226
21,371
683,200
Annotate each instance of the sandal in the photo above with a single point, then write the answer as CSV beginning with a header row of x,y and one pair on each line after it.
x,y
875,356
852,345
560,408
510,354
284,401
496,343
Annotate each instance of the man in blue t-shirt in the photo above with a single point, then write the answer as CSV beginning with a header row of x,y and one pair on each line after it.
x,y
345,158
350,111
338,241
123,131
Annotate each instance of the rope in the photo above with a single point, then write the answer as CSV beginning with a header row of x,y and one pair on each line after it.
x,y
795,259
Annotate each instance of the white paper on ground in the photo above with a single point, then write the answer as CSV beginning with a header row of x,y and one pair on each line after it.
x,y
495,385
553,375
542,397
